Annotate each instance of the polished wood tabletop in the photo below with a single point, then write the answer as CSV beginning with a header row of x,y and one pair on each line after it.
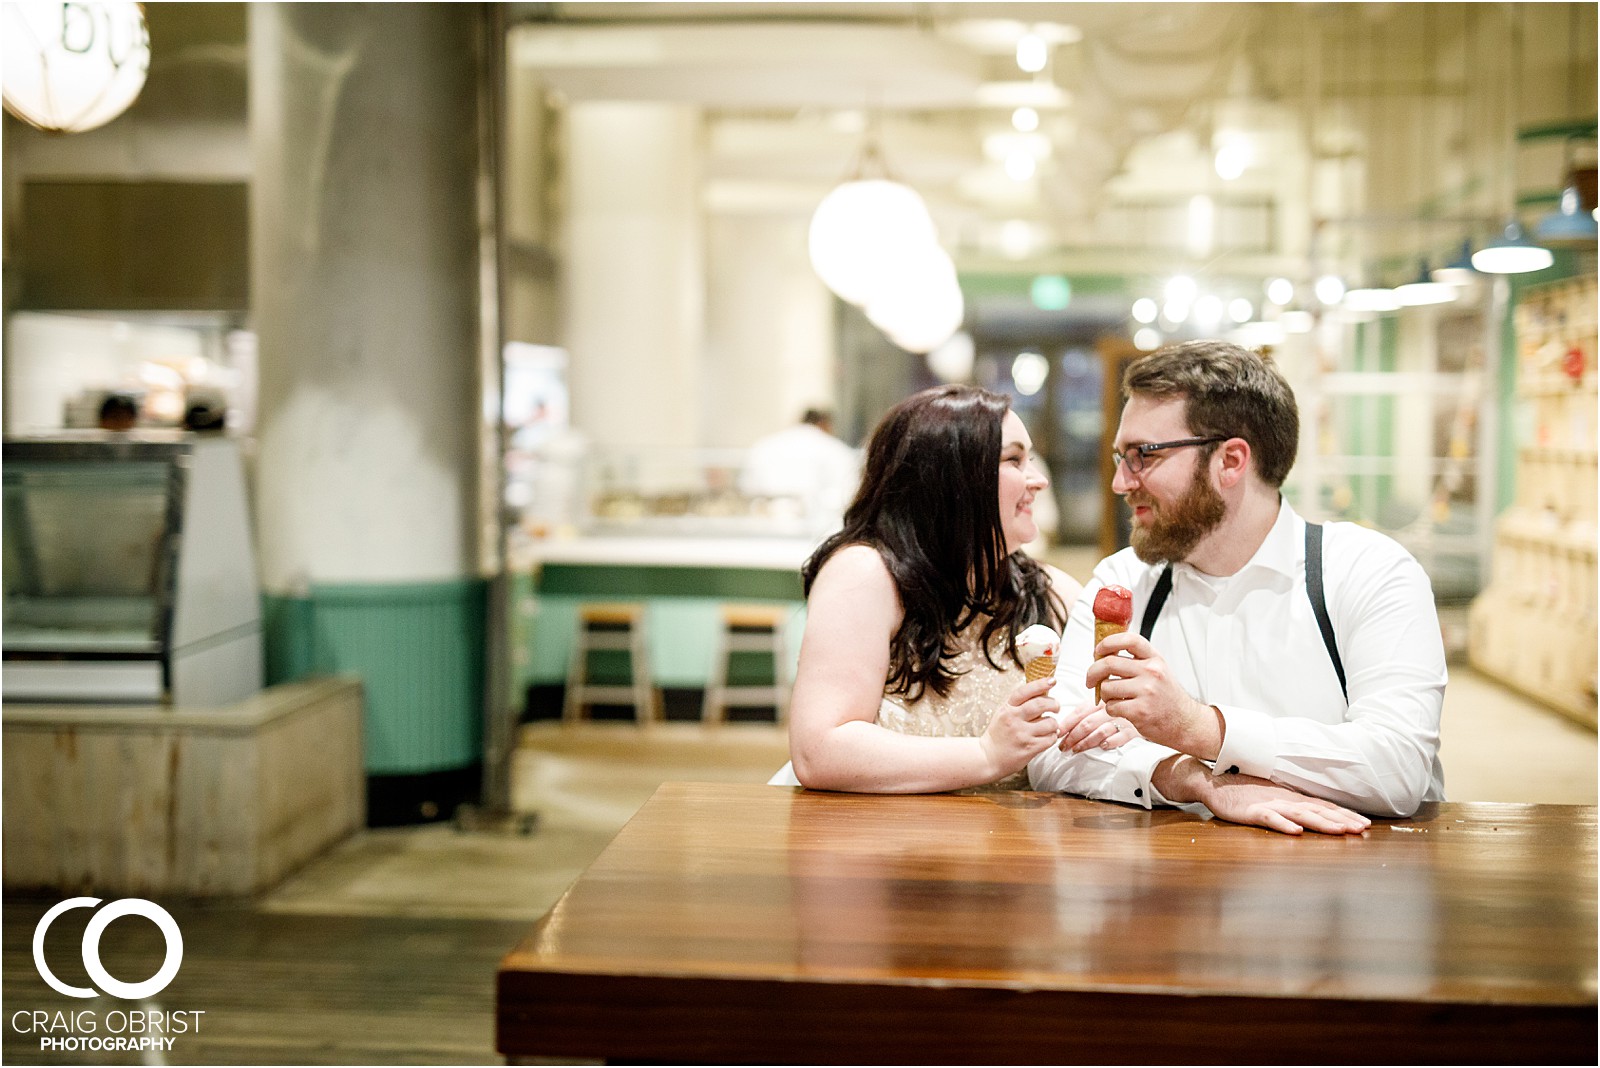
x,y
751,924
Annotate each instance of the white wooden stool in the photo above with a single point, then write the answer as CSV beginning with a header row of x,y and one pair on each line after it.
x,y
611,626
748,628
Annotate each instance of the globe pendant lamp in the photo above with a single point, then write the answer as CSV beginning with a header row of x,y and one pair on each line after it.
x,y
873,243
1511,253
864,230
920,306
72,67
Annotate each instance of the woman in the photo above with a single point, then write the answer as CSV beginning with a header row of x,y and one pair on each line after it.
x,y
908,682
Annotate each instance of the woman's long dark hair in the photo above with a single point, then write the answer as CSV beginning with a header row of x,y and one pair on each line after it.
x,y
929,502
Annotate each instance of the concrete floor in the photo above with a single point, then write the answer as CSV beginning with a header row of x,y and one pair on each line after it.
x,y
583,783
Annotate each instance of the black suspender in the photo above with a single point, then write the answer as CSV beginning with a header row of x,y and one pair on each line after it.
x,y
1158,597
1319,602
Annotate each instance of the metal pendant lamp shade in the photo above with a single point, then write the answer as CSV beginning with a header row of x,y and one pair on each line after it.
x,y
1511,253
1459,271
1424,289
1571,225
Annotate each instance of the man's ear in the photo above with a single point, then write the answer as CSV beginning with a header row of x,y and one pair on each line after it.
x,y
1235,457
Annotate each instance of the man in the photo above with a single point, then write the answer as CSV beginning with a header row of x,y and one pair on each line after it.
x,y
1237,692
807,464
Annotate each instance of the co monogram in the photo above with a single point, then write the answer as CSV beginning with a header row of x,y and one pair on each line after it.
x,y
109,984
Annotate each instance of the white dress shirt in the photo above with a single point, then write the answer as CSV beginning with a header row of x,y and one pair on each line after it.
x,y
809,464
1248,643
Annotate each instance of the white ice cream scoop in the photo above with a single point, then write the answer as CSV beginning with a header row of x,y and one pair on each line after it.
x,y
1036,641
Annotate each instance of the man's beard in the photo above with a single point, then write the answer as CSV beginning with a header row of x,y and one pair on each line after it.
x,y
1174,531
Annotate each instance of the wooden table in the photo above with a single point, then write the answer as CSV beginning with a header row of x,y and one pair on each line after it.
x,y
732,923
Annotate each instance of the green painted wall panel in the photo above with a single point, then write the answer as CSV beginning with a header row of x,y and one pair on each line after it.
x,y
419,649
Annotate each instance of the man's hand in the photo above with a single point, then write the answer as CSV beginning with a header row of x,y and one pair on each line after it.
x,y
1091,726
1252,801
1139,688
1022,728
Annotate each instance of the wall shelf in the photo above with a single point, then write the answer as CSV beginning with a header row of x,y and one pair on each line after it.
x,y
1534,627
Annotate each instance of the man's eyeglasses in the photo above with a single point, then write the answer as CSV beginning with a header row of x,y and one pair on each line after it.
x,y
1134,459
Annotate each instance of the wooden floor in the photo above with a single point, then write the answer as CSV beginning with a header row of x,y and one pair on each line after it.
x,y
279,989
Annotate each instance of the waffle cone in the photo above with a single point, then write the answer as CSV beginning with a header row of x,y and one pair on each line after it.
x,y
1040,667
1104,629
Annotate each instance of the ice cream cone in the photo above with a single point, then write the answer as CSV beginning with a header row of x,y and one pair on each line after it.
x,y
1113,611
1103,629
1040,667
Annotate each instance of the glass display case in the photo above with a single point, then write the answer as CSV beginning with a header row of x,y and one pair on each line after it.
x,y
129,572
702,492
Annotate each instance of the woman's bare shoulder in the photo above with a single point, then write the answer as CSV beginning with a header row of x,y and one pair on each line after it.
x,y
856,564
856,580
854,590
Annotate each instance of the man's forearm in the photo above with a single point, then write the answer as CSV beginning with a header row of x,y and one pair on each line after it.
x,y
1180,779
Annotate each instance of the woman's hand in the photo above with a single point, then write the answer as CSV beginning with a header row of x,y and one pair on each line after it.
x,y
1023,728
1139,687
1092,727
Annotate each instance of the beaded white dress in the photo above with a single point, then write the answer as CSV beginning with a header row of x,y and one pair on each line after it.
x,y
977,692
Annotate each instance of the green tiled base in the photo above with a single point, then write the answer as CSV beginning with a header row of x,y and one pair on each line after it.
x,y
419,649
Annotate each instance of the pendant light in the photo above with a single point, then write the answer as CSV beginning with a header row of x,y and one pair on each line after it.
x,y
873,242
1572,224
1458,272
1424,290
1371,299
861,232
72,67
1569,226
1511,252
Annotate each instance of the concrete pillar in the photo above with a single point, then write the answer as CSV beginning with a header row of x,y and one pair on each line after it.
x,y
364,296
364,289
634,272
769,328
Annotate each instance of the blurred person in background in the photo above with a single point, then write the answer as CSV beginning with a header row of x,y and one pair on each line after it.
x,y
118,412
806,464
205,412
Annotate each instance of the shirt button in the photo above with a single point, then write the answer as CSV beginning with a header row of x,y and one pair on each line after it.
x,y
1139,792
1234,770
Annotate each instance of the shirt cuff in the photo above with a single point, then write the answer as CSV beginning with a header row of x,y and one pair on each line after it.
x,y
1249,743
1130,782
